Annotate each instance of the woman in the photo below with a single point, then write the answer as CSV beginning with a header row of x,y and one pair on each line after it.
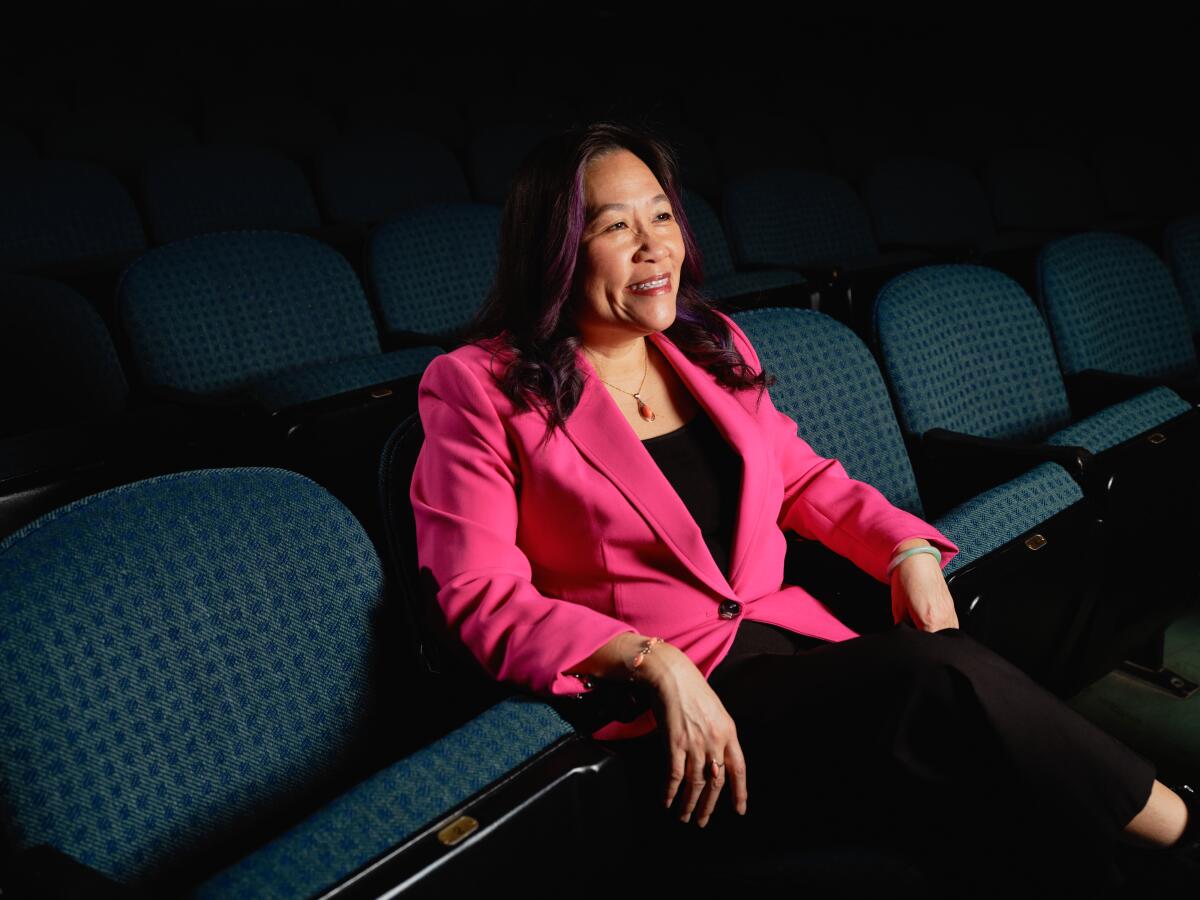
x,y
577,505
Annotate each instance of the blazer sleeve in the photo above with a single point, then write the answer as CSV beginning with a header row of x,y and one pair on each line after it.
x,y
821,502
464,500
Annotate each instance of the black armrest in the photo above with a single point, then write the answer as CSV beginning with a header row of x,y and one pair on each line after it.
x,y
953,467
940,443
47,873
1092,390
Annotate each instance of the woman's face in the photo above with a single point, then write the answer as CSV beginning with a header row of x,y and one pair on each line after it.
x,y
630,237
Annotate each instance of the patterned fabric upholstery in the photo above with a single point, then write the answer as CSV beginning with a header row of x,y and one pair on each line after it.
x,y
829,383
1003,513
315,382
1182,242
1122,421
921,201
370,181
393,804
58,212
210,189
1042,189
706,227
431,268
965,349
1112,306
180,656
217,313
793,218
721,280
57,360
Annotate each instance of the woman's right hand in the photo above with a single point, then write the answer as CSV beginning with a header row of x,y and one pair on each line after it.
x,y
697,729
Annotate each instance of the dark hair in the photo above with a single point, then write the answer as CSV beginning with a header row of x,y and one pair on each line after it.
x,y
529,303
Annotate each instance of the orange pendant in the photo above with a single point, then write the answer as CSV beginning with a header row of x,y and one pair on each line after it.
x,y
644,409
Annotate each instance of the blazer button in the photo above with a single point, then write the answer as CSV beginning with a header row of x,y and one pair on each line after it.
x,y
729,609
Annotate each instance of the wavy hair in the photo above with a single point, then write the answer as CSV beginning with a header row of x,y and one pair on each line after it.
x,y
527,312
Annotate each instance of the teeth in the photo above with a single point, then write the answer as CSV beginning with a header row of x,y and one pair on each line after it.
x,y
646,285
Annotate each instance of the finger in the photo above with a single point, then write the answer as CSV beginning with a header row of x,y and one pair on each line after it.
x,y
694,783
735,772
708,802
677,769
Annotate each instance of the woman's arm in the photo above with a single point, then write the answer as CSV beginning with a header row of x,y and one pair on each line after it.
x,y
464,500
821,502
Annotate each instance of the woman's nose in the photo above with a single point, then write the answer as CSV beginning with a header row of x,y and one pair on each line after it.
x,y
651,245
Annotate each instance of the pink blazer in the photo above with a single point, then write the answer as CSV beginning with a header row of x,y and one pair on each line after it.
x,y
541,556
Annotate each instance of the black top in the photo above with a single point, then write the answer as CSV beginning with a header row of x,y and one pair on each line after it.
x,y
707,474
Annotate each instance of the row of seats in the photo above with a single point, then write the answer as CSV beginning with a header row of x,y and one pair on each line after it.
x,y
281,320
124,134
59,212
212,679
429,270
232,329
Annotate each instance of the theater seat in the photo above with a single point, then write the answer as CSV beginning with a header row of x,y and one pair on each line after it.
x,y
204,689
1025,579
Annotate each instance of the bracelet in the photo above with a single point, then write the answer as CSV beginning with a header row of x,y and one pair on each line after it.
x,y
905,554
640,656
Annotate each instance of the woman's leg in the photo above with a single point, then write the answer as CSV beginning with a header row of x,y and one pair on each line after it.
x,y
929,739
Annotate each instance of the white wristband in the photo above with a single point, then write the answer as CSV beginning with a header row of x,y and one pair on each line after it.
x,y
905,554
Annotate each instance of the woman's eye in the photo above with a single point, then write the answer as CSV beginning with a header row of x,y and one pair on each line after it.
x,y
615,224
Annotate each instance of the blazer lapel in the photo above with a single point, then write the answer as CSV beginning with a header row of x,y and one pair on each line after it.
x,y
602,433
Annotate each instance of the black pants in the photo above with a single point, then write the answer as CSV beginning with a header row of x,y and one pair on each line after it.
x,y
927,741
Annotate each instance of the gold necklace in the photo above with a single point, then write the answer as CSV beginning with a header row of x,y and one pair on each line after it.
x,y
644,409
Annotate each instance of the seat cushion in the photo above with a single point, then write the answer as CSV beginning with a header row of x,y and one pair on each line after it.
x,y
393,804
1122,421
303,385
1000,514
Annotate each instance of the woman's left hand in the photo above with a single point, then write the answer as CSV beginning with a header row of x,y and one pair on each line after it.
x,y
919,591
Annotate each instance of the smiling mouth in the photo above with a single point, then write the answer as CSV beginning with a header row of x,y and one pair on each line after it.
x,y
652,285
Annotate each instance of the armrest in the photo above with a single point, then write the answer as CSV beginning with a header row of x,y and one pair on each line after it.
x,y
46,872
941,443
953,467
1092,390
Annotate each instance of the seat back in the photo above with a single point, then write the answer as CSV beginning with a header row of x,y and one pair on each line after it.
x,y
58,212
965,349
430,268
829,383
1112,306
218,312
202,190
188,664
796,219
58,365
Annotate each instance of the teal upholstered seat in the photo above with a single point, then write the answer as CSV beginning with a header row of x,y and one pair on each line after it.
x,y
265,314
430,268
1112,306
830,384
194,663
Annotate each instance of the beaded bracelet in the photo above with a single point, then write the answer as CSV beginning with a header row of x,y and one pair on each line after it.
x,y
905,554
640,656
638,659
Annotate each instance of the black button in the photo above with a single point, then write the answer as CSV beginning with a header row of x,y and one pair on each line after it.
x,y
729,609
